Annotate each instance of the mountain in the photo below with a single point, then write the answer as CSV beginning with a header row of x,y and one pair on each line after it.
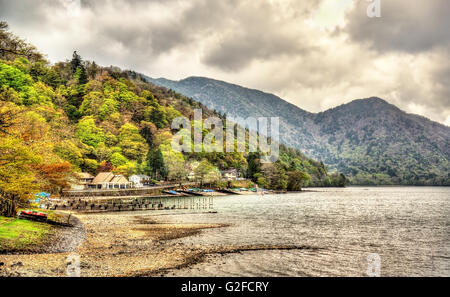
x,y
75,116
237,101
369,140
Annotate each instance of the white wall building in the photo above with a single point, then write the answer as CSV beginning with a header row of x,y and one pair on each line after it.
x,y
140,180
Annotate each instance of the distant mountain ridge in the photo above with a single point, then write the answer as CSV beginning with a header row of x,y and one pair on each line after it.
x,y
370,140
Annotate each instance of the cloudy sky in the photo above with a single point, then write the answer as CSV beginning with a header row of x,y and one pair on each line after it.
x,y
316,54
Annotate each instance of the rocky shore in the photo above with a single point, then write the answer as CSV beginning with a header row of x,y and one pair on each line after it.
x,y
109,244
119,244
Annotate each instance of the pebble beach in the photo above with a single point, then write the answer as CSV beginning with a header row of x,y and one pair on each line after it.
x,y
109,244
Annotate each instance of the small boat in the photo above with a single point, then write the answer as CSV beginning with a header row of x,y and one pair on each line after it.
x,y
190,192
33,215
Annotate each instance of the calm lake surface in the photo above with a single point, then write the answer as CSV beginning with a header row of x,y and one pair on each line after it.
x,y
408,227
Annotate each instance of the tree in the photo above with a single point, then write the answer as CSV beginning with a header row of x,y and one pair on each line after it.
x,y
91,103
297,179
16,176
54,177
17,179
174,163
108,108
52,78
155,162
117,159
76,62
28,161
12,77
148,131
78,70
8,116
90,165
213,176
67,150
127,169
254,164
338,180
158,116
92,69
276,176
81,76
133,145
105,166
89,133
261,180
206,172
12,47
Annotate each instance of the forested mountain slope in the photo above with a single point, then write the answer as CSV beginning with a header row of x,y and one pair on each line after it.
x,y
76,116
369,140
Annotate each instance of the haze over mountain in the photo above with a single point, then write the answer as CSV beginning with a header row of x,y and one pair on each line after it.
x,y
370,140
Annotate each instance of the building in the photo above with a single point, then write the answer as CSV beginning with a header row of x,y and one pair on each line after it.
x,y
82,180
141,180
85,178
191,170
230,174
107,180
191,175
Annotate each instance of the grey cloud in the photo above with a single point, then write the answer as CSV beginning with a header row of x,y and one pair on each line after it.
x,y
409,26
247,42
441,78
238,50
28,12
156,38
259,32
255,33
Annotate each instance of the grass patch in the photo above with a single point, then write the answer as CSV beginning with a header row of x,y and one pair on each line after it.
x,y
18,234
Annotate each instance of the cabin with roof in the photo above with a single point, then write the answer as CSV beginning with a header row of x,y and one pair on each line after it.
x,y
81,181
108,180
230,174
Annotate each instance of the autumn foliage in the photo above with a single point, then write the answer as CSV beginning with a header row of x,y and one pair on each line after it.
x,y
76,116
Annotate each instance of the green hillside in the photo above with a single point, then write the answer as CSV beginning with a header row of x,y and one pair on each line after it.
x,y
76,116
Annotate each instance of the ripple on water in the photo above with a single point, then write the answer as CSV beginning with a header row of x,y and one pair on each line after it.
x,y
407,226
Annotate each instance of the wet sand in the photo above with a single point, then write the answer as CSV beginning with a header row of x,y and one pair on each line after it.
x,y
120,244
126,244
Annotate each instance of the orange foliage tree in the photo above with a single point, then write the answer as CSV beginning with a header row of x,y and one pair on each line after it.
x,y
54,177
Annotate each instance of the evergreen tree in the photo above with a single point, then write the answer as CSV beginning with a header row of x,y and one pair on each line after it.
x,y
76,62
254,165
78,69
155,163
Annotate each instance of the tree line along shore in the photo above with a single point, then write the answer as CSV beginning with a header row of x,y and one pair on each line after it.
x,y
61,119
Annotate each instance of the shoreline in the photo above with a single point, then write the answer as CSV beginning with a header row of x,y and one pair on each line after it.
x,y
144,244
60,240
116,244
126,244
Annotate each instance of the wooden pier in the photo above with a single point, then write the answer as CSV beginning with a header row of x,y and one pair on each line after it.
x,y
107,204
149,198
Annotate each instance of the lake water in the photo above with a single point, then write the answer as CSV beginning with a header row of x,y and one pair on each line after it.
x,y
408,227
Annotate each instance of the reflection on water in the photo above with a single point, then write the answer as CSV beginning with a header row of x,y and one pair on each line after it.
x,y
407,226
